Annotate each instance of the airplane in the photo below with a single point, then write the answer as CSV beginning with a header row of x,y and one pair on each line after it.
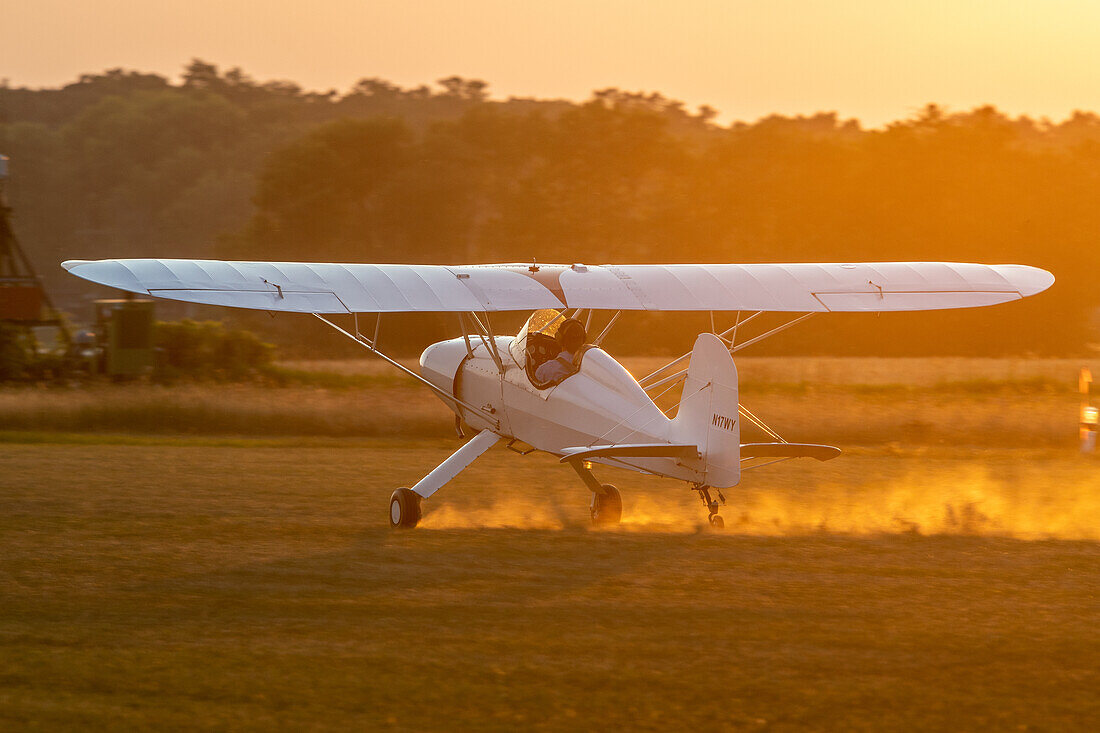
x,y
551,388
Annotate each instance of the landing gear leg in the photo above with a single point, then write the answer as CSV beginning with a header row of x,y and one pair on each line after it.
x,y
607,503
712,505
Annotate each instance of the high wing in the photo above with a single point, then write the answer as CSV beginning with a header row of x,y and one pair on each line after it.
x,y
362,288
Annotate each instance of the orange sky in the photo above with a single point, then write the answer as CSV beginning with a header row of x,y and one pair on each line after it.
x,y
876,61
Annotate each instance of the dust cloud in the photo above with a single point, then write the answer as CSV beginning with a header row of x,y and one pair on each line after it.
x,y
971,501
513,513
963,502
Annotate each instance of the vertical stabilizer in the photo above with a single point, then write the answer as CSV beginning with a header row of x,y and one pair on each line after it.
x,y
708,411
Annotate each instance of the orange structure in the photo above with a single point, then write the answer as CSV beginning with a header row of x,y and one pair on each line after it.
x,y
23,300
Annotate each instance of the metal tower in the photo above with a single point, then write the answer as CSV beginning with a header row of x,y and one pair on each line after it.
x,y
23,300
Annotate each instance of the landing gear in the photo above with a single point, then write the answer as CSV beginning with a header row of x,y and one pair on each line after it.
x,y
607,504
712,505
607,508
404,508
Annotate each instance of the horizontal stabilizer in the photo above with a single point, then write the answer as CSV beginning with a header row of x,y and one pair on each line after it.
x,y
631,450
788,450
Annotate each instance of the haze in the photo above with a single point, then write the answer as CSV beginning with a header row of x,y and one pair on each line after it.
x,y
874,61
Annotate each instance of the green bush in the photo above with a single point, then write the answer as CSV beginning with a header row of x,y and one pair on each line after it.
x,y
14,354
208,350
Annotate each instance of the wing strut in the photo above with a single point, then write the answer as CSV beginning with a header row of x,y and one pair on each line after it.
x,y
606,329
484,332
733,329
731,343
371,347
734,348
775,330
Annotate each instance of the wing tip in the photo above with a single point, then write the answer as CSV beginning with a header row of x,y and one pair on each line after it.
x,y
1028,280
112,273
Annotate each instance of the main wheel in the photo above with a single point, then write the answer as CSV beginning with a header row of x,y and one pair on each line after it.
x,y
404,508
717,522
607,508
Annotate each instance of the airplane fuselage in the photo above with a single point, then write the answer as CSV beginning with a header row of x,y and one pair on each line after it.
x,y
602,404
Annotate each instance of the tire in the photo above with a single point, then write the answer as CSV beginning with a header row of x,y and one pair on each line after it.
x,y
607,508
404,508
717,522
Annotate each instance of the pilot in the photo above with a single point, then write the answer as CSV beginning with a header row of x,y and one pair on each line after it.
x,y
571,335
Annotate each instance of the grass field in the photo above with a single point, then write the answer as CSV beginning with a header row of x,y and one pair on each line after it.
x,y
910,402
255,584
815,370
218,556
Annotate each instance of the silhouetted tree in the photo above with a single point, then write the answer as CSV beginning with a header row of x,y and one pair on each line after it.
x,y
126,164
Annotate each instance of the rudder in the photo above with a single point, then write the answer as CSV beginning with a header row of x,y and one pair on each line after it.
x,y
708,414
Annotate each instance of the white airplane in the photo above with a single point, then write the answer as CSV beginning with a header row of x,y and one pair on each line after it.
x,y
552,388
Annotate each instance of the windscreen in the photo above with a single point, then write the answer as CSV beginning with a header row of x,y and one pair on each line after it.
x,y
545,321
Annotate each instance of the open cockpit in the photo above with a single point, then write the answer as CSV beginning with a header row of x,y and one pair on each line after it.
x,y
549,347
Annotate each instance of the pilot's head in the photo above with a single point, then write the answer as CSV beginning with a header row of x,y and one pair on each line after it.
x,y
572,335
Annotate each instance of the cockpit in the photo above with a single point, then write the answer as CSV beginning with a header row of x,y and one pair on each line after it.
x,y
549,347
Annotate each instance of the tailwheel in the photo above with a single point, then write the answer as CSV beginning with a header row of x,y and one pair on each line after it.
x,y
712,505
404,508
607,508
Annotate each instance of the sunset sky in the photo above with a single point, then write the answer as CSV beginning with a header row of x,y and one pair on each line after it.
x,y
873,60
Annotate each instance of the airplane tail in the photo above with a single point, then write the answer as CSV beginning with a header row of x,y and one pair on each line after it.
x,y
708,416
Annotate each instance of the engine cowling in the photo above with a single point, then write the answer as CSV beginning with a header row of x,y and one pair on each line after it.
x,y
440,362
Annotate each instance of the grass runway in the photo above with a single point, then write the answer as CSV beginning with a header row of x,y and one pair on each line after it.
x,y
256,584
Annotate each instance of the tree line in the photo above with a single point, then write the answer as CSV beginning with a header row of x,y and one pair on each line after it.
x,y
220,165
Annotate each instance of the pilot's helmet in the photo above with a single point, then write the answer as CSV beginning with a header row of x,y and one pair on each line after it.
x,y
572,335
537,340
